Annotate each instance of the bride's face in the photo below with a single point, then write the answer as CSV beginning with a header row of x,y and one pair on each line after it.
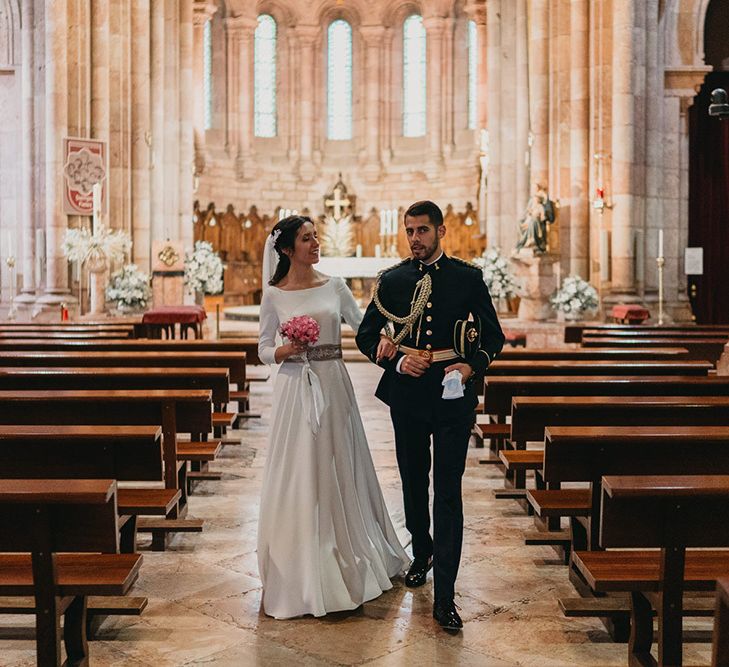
x,y
306,246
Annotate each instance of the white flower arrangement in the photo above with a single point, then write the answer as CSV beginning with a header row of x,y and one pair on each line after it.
x,y
129,287
80,245
498,277
575,297
204,269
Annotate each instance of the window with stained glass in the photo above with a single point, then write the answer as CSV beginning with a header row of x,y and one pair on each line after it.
x,y
339,80
264,77
414,77
208,73
472,75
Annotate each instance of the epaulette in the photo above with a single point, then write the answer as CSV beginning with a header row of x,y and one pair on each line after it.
x,y
394,266
470,265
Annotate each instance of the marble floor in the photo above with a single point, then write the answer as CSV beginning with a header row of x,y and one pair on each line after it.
x,y
204,593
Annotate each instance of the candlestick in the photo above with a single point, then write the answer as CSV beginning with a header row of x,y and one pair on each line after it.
x,y
96,199
660,242
10,261
660,261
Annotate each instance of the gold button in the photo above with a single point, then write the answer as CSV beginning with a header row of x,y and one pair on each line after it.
x,y
429,305
429,319
428,346
428,333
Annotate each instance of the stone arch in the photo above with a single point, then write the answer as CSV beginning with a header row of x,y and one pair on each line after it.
x,y
397,12
329,11
9,32
284,13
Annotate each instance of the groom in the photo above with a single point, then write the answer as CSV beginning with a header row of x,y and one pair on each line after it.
x,y
437,309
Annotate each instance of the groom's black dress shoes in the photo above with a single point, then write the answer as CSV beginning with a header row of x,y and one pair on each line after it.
x,y
418,572
445,612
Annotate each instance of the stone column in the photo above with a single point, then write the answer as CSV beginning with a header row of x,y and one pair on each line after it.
x,y
307,35
579,137
522,107
243,29
434,29
477,13
56,127
493,193
293,96
141,132
202,12
372,37
100,70
625,204
186,137
171,96
156,158
447,75
232,124
539,89
386,121
27,208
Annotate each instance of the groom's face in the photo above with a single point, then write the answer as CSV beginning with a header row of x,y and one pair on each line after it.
x,y
423,236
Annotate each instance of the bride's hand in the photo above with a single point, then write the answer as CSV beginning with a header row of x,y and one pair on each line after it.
x,y
289,350
386,349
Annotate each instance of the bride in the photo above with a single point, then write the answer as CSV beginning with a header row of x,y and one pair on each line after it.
x,y
325,539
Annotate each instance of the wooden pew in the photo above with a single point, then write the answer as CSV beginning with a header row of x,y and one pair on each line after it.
x,y
123,453
573,332
71,530
706,349
586,453
235,362
642,333
597,367
247,345
216,380
531,415
594,353
500,391
721,625
54,335
667,513
177,411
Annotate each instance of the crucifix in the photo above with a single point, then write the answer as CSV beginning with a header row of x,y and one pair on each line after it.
x,y
337,203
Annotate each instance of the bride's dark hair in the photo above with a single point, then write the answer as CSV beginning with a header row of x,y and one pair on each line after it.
x,y
289,229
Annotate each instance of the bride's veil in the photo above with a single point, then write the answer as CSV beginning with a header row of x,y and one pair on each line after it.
x,y
270,258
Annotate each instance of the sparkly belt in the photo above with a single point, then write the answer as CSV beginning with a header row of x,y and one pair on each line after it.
x,y
318,353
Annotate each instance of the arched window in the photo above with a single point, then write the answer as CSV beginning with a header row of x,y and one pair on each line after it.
x,y
339,80
264,97
472,75
413,77
208,73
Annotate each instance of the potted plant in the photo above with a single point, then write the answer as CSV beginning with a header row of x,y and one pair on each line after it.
x,y
575,298
499,278
129,289
203,271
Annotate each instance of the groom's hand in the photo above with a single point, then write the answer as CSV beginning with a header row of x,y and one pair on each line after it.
x,y
465,369
414,365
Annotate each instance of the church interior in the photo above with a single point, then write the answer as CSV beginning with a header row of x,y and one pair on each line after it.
x,y
579,152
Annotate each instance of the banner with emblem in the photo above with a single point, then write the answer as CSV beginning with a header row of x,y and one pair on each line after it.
x,y
84,165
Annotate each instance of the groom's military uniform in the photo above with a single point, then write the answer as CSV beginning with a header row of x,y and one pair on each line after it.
x,y
441,311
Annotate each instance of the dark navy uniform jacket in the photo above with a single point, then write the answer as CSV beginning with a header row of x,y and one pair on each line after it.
x,y
458,290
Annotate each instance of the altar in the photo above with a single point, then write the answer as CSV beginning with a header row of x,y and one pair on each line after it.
x,y
355,267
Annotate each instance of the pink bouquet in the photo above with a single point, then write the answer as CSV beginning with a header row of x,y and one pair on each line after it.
x,y
302,329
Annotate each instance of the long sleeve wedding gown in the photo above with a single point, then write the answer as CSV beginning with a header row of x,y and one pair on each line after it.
x,y
325,539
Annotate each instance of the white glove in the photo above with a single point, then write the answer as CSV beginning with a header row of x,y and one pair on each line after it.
x,y
453,385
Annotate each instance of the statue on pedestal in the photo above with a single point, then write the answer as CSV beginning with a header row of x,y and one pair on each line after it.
x,y
533,225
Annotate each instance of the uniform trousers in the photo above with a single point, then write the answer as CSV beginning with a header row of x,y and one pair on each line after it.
x,y
450,436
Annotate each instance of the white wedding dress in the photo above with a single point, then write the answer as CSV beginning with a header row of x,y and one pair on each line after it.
x,y
325,539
